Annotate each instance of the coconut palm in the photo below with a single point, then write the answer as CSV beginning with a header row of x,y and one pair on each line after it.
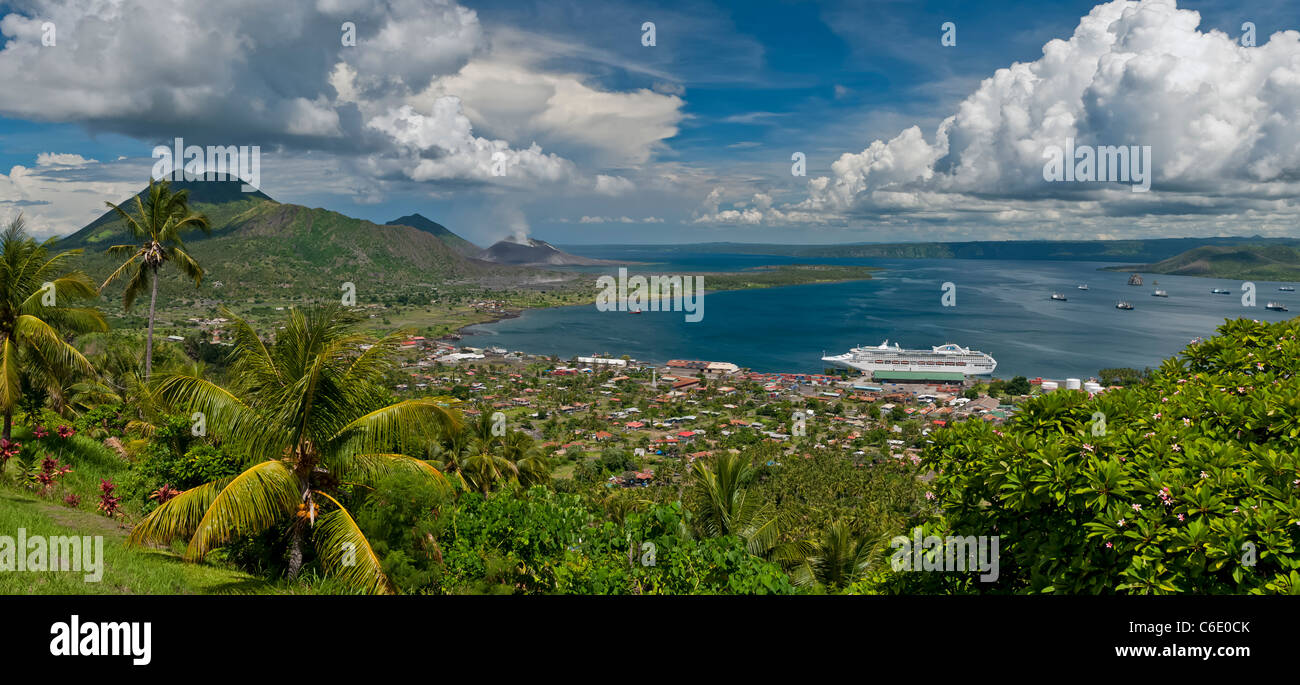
x,y
724,504
308,414
159,221
482,460
34,290
837,558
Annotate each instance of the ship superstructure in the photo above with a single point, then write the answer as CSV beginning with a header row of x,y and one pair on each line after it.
x,y
947,357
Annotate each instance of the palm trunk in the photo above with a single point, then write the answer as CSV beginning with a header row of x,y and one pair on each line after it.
x,y
9,424
295,551
148,343
296,547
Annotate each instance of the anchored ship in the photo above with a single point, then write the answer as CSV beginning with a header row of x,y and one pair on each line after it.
x,y
948,357
1286,288
1123,305
1277,307
1083,287
1219,291
1135,280
1159,293
1058,296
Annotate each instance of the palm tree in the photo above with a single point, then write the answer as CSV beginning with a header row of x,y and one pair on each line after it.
x,y
33,285
482,460
308,414
837,558
723,503
159,221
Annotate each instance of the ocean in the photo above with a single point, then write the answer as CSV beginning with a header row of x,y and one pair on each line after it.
x,y
1002,308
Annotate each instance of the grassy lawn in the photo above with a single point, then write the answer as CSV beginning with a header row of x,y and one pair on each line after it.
x,y
125,571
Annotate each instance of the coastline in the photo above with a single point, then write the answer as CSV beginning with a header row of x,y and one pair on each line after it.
x,y
514,313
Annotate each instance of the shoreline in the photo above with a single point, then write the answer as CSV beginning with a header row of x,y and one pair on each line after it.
x,y
460,331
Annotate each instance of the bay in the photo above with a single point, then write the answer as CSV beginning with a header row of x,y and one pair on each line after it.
x,y
1001,307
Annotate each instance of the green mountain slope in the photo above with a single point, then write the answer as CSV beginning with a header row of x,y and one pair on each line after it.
x,y
1243,262
261,250
427,225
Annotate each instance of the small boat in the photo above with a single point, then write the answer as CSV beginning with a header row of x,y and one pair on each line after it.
x,y
1276,306
1159,293
1058,296
1083,287
1135,280
1123,305
1220,291
1286,288
634,311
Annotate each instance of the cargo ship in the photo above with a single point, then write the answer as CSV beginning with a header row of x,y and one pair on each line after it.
x,y
947,357
1058,296
1277,307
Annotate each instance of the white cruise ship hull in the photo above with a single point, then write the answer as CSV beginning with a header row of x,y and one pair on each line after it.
x,y
947,358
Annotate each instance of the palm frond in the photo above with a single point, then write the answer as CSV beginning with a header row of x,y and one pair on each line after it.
x,y
346,553
249,504
178,517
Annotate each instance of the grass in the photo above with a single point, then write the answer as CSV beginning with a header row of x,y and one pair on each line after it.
x,y
125,570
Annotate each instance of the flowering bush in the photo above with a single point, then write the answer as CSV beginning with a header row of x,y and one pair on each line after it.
x,y
9,449
1189,482
48,472
108,503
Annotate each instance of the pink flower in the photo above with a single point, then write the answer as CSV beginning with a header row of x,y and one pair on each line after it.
x,y
1204,475
1121,522
1109,545
929,496
1088,447
1176,448
1136,506
1187,421
1181,517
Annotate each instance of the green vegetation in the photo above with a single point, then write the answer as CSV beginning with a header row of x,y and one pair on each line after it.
x,y
159,221
34,290
307,418
1260,262
310,455
1189,482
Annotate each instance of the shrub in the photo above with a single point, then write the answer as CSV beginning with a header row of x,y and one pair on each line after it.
x,y
1189,482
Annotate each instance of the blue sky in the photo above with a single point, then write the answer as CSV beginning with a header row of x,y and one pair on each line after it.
x,y
692,136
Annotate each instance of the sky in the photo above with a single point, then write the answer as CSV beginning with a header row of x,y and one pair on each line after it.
x,y
755,121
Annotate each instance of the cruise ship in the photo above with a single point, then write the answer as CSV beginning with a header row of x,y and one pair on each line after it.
x,y
948,357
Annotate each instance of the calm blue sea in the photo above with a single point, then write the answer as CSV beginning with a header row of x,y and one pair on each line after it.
x,y
1002,308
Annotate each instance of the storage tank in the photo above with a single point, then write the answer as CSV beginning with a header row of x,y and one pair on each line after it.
x,y
1072,384
1092,387
1049,386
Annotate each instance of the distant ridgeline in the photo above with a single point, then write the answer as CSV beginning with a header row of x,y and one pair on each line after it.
x,y
1273,261
263,249
1126,251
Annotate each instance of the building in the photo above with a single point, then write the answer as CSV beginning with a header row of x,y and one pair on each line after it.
x,y
956,378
